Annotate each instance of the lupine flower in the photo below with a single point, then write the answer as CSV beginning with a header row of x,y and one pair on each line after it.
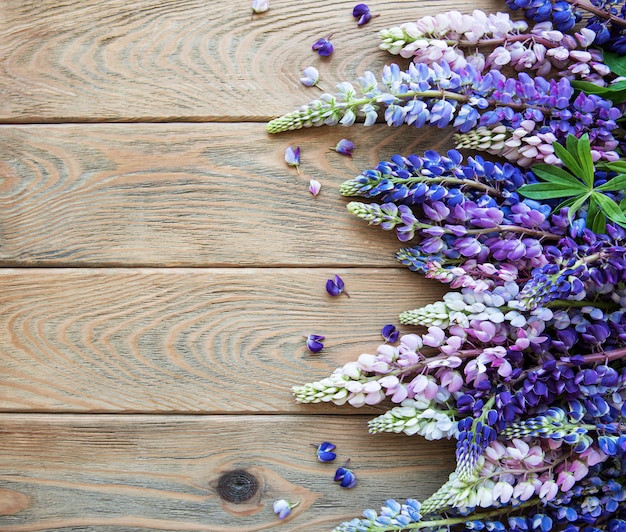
x,y
314,343
260,6
345,147
345,476
282,508
390,333
325,452
335,287
292,157
314,187
311,77
323,46
362,12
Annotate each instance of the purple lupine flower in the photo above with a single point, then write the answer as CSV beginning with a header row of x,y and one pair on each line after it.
x,y
335,287
345,147
345,476
292,157
282,508
390,333
363,13
325,451
314,187
314,343
323,46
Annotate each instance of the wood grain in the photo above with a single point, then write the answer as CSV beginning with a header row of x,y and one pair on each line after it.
x,y
189,195
194,340
122,472
146,60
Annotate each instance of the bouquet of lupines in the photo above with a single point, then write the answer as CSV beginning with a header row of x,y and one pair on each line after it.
x,y
523,362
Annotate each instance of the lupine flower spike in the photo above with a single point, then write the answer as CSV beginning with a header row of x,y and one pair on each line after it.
x,y
335,287
314,343
314,187
324,47
325,451
345,147
282,508
292,157
345,476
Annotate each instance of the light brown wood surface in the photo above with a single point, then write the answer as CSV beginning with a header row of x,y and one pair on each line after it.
x,y
157,278
194,60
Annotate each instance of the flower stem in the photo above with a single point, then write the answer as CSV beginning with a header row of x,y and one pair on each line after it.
x,y
598,12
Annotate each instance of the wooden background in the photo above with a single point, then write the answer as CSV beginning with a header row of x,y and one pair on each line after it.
x,y
161,263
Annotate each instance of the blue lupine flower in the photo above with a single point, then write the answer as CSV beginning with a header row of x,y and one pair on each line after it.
x,y
282,508
325,452
335,287
345,147
345,476
292,157
390,333
314,343
323,46
362,12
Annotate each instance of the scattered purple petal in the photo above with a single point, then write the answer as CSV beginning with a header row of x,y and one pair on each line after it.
x,y
282,508
260,6
325,451
311,77
362,12
345,147
292,157
314,187
390,333
345,477
314,343
335,287
323,46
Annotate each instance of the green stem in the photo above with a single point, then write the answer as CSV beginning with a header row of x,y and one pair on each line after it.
x,y
460,520
447,181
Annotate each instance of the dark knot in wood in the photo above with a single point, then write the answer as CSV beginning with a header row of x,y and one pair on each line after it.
x,y
237,486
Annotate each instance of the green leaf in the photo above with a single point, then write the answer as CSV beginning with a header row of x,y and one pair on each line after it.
x,y
616,92
585,159
577,205
554,174
540,191
596,220
617,166
610,208
569,160
617,183
616,62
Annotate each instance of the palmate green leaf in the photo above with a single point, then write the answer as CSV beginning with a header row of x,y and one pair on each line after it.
x,y
596,219
577,205
570,159
610,208
541,191
616,92
555,174
585,160
617,166
616,62
617,183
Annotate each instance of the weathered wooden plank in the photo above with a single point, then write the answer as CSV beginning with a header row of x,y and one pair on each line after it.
x,y
174,340
189,195
140,60
162,472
